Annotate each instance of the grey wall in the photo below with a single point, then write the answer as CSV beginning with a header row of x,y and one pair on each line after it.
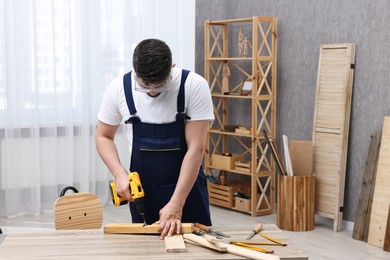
x,y
302,26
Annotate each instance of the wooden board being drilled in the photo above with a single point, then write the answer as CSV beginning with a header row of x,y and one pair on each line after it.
x,y
139,228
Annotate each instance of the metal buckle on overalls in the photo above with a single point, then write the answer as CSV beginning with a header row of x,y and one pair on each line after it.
x,y
132,119
183,115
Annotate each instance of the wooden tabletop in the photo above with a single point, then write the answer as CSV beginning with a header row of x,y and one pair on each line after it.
x,y
83,244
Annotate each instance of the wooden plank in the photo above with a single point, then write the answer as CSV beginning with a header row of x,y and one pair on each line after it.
x,y
139,228
381,198
363,212
331,127
175,244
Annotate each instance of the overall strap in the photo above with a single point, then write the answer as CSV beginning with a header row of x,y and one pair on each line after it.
x,y
181,96
129,93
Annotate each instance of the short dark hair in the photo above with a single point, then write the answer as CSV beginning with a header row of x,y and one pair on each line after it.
x,y
152,61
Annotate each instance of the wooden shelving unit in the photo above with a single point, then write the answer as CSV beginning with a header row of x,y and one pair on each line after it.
x,y
235,109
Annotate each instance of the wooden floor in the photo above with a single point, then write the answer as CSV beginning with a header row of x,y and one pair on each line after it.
x,y
320,243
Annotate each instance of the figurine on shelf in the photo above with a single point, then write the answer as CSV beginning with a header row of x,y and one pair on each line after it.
x,y
240,38
225,78
245,45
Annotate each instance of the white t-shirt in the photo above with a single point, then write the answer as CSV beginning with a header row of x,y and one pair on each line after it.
x,y
160,109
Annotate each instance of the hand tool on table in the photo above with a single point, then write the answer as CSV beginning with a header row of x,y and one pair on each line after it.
x,y
256,230
209,230
201,232
136,191
252,247
273,240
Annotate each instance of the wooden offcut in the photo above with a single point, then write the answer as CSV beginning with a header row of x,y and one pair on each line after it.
x,y
363,210
175,244
78,211
381,198
139,228
296,202
331,128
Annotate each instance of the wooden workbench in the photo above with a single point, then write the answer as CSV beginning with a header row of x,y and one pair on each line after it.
x,y
82,244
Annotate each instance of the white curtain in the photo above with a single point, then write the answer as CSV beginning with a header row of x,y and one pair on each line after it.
x,y
56,59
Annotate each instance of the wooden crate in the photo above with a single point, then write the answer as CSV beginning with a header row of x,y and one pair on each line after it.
x,y
221,195
242,204
243,166
225,162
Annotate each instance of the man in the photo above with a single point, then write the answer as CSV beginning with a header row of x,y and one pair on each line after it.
x,y
166,111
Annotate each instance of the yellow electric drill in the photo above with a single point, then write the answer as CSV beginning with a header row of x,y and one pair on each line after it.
x,y
136,192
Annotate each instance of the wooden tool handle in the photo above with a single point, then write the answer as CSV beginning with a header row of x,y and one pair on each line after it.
x,y
258,227
197,231
202,227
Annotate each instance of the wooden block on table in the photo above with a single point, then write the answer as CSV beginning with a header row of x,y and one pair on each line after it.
x,y
175,244
140,228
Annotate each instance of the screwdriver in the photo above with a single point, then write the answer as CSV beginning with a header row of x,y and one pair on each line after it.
x,y
256,230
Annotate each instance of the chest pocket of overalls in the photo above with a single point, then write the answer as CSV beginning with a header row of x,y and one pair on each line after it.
x,y
159,144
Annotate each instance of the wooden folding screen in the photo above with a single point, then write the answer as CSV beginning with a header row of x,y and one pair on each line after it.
x,y
381,198
331,127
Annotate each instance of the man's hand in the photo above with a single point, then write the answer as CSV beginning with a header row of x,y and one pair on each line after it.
x,y
122,186
170,219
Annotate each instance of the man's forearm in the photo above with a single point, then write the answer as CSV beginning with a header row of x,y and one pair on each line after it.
x,y
188,174
109,154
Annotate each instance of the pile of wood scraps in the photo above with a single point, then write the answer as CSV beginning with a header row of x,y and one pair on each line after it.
x,y
267,242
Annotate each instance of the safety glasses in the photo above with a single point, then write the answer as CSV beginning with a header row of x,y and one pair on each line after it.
x,y
156,88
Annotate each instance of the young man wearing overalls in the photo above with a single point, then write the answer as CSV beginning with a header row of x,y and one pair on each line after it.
x,y
166,111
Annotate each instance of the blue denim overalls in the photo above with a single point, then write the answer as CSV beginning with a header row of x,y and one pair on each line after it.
x,y
157,155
